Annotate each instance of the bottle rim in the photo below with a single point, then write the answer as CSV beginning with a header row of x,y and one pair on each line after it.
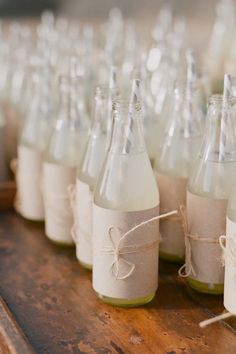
x,y
125,104
218,98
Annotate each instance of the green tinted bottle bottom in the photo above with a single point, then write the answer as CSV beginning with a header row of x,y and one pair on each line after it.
x,y
126,302
86,265
33,222
171,257
213,289
61,243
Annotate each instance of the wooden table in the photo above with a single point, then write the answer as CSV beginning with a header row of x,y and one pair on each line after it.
x,y
53,309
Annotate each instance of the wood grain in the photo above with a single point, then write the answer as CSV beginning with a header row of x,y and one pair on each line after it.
x,y
7,194
51,297
12,339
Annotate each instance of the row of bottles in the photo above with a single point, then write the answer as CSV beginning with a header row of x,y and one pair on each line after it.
x,y
115,199
109,200
58,152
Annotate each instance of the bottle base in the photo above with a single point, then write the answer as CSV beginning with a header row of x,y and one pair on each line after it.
x,y
171,257
205,288
33,222
126,302
60,243
86,265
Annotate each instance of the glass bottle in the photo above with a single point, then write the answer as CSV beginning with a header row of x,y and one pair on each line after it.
x,y
180,144
125,195
62,157
93,158
3,164
150,122
229,255
32,144
209,188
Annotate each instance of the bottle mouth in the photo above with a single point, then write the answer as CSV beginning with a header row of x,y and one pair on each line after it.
x,y
124,104
218,98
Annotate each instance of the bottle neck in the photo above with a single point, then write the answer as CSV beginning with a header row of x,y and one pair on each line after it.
x,y
186,118
219,143
100,113
127,134
64,107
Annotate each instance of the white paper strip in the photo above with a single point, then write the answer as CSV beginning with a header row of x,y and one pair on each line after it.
x,y
58,212
83,218
230,267
29,184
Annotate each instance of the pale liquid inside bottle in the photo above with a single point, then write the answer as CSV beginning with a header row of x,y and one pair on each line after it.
x,y
35,136
150,135
214,181
95,155
122,188
66,149
176,161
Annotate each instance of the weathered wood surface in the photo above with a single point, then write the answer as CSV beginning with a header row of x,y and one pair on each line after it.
x,y
7,194
12,339
50,297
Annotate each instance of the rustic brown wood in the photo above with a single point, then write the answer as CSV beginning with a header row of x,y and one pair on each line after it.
x,y
51,297
7,194
12,339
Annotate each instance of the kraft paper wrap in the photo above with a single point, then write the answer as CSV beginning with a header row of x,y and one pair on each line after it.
x,y
3,165
172,195
83,210
14,122
230,267
58,212
126,269
29,199
206,219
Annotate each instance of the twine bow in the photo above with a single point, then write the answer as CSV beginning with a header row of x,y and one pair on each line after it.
x,y
118,250
231,247
187,269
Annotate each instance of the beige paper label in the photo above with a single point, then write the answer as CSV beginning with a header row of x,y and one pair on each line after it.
x,y
125,267
3,162
206,220
83,210
29,184
58,212
172,196
230,267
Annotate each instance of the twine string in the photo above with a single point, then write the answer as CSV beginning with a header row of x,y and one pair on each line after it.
x,y
118,251
187,269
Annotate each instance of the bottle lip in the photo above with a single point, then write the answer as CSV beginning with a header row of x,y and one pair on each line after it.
x,y
125,104
218,98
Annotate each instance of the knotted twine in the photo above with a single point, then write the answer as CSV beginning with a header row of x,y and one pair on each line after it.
x,y
187,269
232,255
118,251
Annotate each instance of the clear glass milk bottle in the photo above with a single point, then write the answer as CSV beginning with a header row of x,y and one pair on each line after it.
x,y
209,188
230,255
87,174
125,261
59,169
180,144
3,163
32,144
